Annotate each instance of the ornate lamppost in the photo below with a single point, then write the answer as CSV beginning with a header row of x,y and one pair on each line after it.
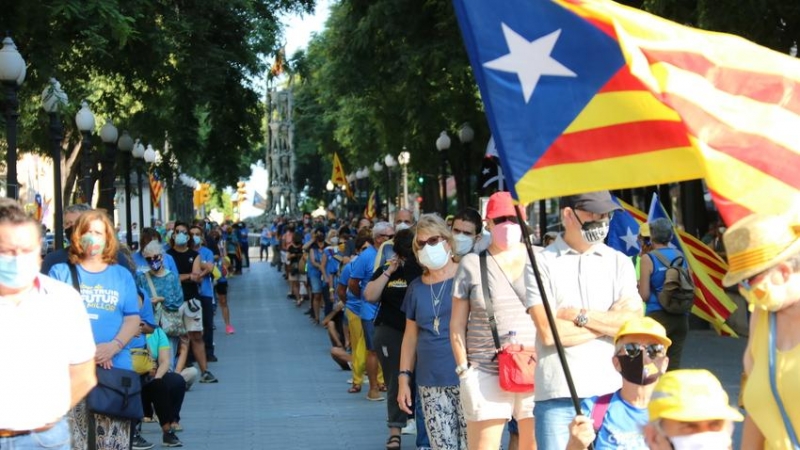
x,y
404,158
12,75
443,144
53,100
138,154
149,159
109,135
390,162
466,135
84,119
125,145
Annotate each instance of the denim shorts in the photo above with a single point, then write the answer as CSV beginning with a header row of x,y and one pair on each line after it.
x,y
57,438
316,284
369,333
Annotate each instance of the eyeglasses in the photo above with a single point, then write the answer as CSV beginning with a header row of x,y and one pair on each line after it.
x,y
433,240
747,284
464,232
407,222
388,236
152,258
653,350
499,220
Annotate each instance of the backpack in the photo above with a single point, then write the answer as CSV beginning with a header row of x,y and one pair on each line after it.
x,y
677,294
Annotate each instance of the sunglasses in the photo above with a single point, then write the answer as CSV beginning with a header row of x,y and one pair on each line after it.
x,y
653,350
464,232
433,240
388,236
407,222
152,258
499,220
748,283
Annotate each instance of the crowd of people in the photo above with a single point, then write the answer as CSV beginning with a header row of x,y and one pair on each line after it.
x,y
431,312
406,307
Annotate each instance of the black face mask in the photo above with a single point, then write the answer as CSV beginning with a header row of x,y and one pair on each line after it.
x,y
594,231
634,370
320,238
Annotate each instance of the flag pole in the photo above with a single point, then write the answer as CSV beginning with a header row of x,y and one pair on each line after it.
x,y
549,312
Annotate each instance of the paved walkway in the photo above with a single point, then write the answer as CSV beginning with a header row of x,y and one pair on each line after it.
x,y
279,387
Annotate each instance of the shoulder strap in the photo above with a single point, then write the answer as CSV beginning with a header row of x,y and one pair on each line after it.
x,y
660,256
773,383
76,280
487,299
153,292
600,409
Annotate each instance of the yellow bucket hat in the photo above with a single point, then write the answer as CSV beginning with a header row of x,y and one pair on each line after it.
x,y
691,396
644,325
757,243
644,229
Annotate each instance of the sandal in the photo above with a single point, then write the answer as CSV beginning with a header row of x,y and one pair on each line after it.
x,y
393,443
383,388
354,389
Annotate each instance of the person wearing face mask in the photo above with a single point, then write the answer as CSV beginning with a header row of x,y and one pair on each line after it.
x,y
510,281
110,296
764,260
426,353
44,330
206,291
388,286
403,220
592,291
689,410
652,273
467,228
140,261
616,420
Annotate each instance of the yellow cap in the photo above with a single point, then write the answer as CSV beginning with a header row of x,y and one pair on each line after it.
x,y
644,229
644,325
759,242
691,396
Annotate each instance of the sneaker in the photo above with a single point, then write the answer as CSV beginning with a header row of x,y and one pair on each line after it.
x,y
410,428
211,358
229,329
170,440
139,443
207,377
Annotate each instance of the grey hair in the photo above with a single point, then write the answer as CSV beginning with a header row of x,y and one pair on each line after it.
x,y
77,208
381,228
661,231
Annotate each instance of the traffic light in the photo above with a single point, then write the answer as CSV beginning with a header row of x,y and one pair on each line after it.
x,y
241,191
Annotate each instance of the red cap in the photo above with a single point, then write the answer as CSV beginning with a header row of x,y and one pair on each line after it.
x,y
501,205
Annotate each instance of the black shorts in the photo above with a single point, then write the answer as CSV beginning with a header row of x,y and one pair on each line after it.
x,y
221,288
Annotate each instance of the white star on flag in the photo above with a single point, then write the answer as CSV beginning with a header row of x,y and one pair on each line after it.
x,y
529,60
631,240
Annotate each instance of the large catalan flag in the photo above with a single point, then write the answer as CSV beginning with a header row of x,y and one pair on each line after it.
x,y
711,303
584,95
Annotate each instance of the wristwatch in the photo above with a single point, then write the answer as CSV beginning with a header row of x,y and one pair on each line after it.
x,y
581,319
461,368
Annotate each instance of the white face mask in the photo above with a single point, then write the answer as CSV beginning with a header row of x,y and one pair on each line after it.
x,y
434,256
464,244
710,440
334,241
401,226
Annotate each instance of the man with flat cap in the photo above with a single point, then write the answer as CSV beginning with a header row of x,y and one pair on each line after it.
x,y
591,289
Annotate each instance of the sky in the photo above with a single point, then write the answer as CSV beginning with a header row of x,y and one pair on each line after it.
x,y
297,34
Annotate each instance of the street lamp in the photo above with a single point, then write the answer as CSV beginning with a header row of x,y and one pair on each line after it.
x,y
443,144
84,119
12,74
109,135
53,100
138,153
390,162
466,134
404,158
125,145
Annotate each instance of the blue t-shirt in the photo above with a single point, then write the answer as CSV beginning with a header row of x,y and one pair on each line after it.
x,y
436,365
362,270
657,277
331,263
622,425
206,286
353,303
242,234
147,316
264,238
314,254
109,297
141,263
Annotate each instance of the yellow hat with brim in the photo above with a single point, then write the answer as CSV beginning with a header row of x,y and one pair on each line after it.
x,y
644,230
757,243
691,396
646,326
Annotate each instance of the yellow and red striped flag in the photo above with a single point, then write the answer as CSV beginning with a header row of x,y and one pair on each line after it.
x,y
338,177
371,211
156,189
277,65
711,303
593,95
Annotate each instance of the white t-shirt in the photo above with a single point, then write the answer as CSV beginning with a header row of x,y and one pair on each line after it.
x,y
594,280
40,338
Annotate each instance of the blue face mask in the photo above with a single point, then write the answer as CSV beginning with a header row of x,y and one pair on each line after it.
x,y
18,271
197,240
181,239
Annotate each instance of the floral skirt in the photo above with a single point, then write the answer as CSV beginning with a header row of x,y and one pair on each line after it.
x,y
444,418
109,433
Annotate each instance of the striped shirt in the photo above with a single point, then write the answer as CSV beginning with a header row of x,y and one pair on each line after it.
x,y
508,308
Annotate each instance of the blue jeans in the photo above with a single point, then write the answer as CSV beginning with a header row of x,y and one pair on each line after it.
x,y
369,333
56,438
552,422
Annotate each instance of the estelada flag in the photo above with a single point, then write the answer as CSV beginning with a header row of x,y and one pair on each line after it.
x,y
338,177
371,211
156,189
711,303
277,66
585,95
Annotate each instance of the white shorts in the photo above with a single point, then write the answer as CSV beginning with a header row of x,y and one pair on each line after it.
x,y
483,399
284,257
192,320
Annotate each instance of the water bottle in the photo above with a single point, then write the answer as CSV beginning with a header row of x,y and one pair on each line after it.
x,y
512,339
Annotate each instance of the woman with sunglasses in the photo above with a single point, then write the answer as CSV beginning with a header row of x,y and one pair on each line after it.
x,y
486,406
617,420
426,340
764,257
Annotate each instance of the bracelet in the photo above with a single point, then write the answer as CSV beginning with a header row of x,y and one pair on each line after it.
x,y
119,343
387,274
407,373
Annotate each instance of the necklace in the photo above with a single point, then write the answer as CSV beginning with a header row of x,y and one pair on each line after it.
x,y
436,303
